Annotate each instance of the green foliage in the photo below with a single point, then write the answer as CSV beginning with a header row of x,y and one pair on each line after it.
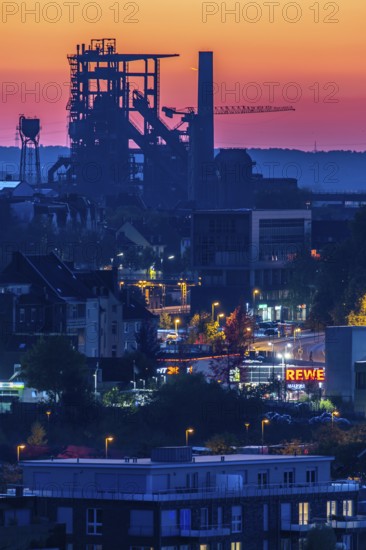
x,y
38,435
326,405
358,317
198,328
165,321
53,366
321,536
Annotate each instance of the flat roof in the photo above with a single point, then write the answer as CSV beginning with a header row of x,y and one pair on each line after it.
x,y
205,459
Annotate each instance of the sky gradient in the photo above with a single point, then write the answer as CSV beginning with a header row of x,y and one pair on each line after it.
x,y
311,52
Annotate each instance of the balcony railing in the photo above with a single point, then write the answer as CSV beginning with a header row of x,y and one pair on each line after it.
x,y
201,493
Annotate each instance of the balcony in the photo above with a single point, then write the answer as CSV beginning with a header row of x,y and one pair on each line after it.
x,y
329,489
351,522
213,531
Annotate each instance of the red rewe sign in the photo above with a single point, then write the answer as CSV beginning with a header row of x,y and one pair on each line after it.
x,y
295,375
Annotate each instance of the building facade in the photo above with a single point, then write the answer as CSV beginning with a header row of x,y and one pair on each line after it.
x,y
175,501
236,251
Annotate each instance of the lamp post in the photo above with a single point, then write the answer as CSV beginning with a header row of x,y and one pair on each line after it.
x,y
176,323
220,316
143,383
264,421
213,305
188,431
95,376
247,430
48,413
108,439
283,357
334,413
255,292
19,448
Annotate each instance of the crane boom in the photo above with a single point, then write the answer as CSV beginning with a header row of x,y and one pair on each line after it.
x,y
245,110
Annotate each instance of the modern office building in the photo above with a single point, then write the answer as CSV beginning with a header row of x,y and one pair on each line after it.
x,y
237,251
178,501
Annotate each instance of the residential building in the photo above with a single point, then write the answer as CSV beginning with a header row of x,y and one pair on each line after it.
x,y
178,501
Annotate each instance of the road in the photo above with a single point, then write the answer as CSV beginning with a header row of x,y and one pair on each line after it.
x,y
310,343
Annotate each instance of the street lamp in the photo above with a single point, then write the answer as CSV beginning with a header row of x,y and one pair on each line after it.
x,y
283,357
188,431
176,323
213,305
264,421
19,448
48,413
143,383
334,413
220,316
108,439
247,430
255,292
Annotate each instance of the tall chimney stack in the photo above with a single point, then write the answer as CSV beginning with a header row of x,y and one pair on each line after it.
x,y
206,106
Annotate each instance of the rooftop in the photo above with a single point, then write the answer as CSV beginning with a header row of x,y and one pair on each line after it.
x,y
206,459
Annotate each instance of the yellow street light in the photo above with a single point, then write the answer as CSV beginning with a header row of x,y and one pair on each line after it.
x,y
264,421
213,305
48,413
247,427
19,448
334,413
220,316
255,292
176,323
108,439
188,431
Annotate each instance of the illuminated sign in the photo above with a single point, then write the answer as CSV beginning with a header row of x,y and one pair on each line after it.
x,y
295,375
171,370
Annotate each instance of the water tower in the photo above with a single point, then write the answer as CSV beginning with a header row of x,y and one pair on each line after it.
x,y
30,167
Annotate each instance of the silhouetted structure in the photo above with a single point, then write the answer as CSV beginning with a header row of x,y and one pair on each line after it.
x,y
30,167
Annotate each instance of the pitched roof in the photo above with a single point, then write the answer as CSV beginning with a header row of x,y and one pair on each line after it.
x,y
45,271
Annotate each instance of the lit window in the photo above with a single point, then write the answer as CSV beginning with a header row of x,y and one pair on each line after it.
x,y
347,508
331,508
303,513
94,521
235,546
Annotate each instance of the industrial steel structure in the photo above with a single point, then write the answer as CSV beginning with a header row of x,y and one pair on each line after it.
x,y
118,140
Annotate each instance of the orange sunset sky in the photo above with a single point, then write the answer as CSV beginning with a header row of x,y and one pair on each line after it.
x,y
317,46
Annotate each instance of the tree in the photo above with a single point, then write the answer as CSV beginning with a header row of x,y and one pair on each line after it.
x,y
321,536
165,321
53,366
148,345
358,318
38,435
221,443
238,329
198,328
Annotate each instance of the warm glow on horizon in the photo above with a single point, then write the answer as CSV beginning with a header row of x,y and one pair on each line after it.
x,y
311,58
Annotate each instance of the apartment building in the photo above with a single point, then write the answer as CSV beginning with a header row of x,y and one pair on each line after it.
x,y
176,501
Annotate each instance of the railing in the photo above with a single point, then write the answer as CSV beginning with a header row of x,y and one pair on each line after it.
x,y
201,493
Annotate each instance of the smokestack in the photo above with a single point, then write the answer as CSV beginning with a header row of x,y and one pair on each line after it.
x,y
206,106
